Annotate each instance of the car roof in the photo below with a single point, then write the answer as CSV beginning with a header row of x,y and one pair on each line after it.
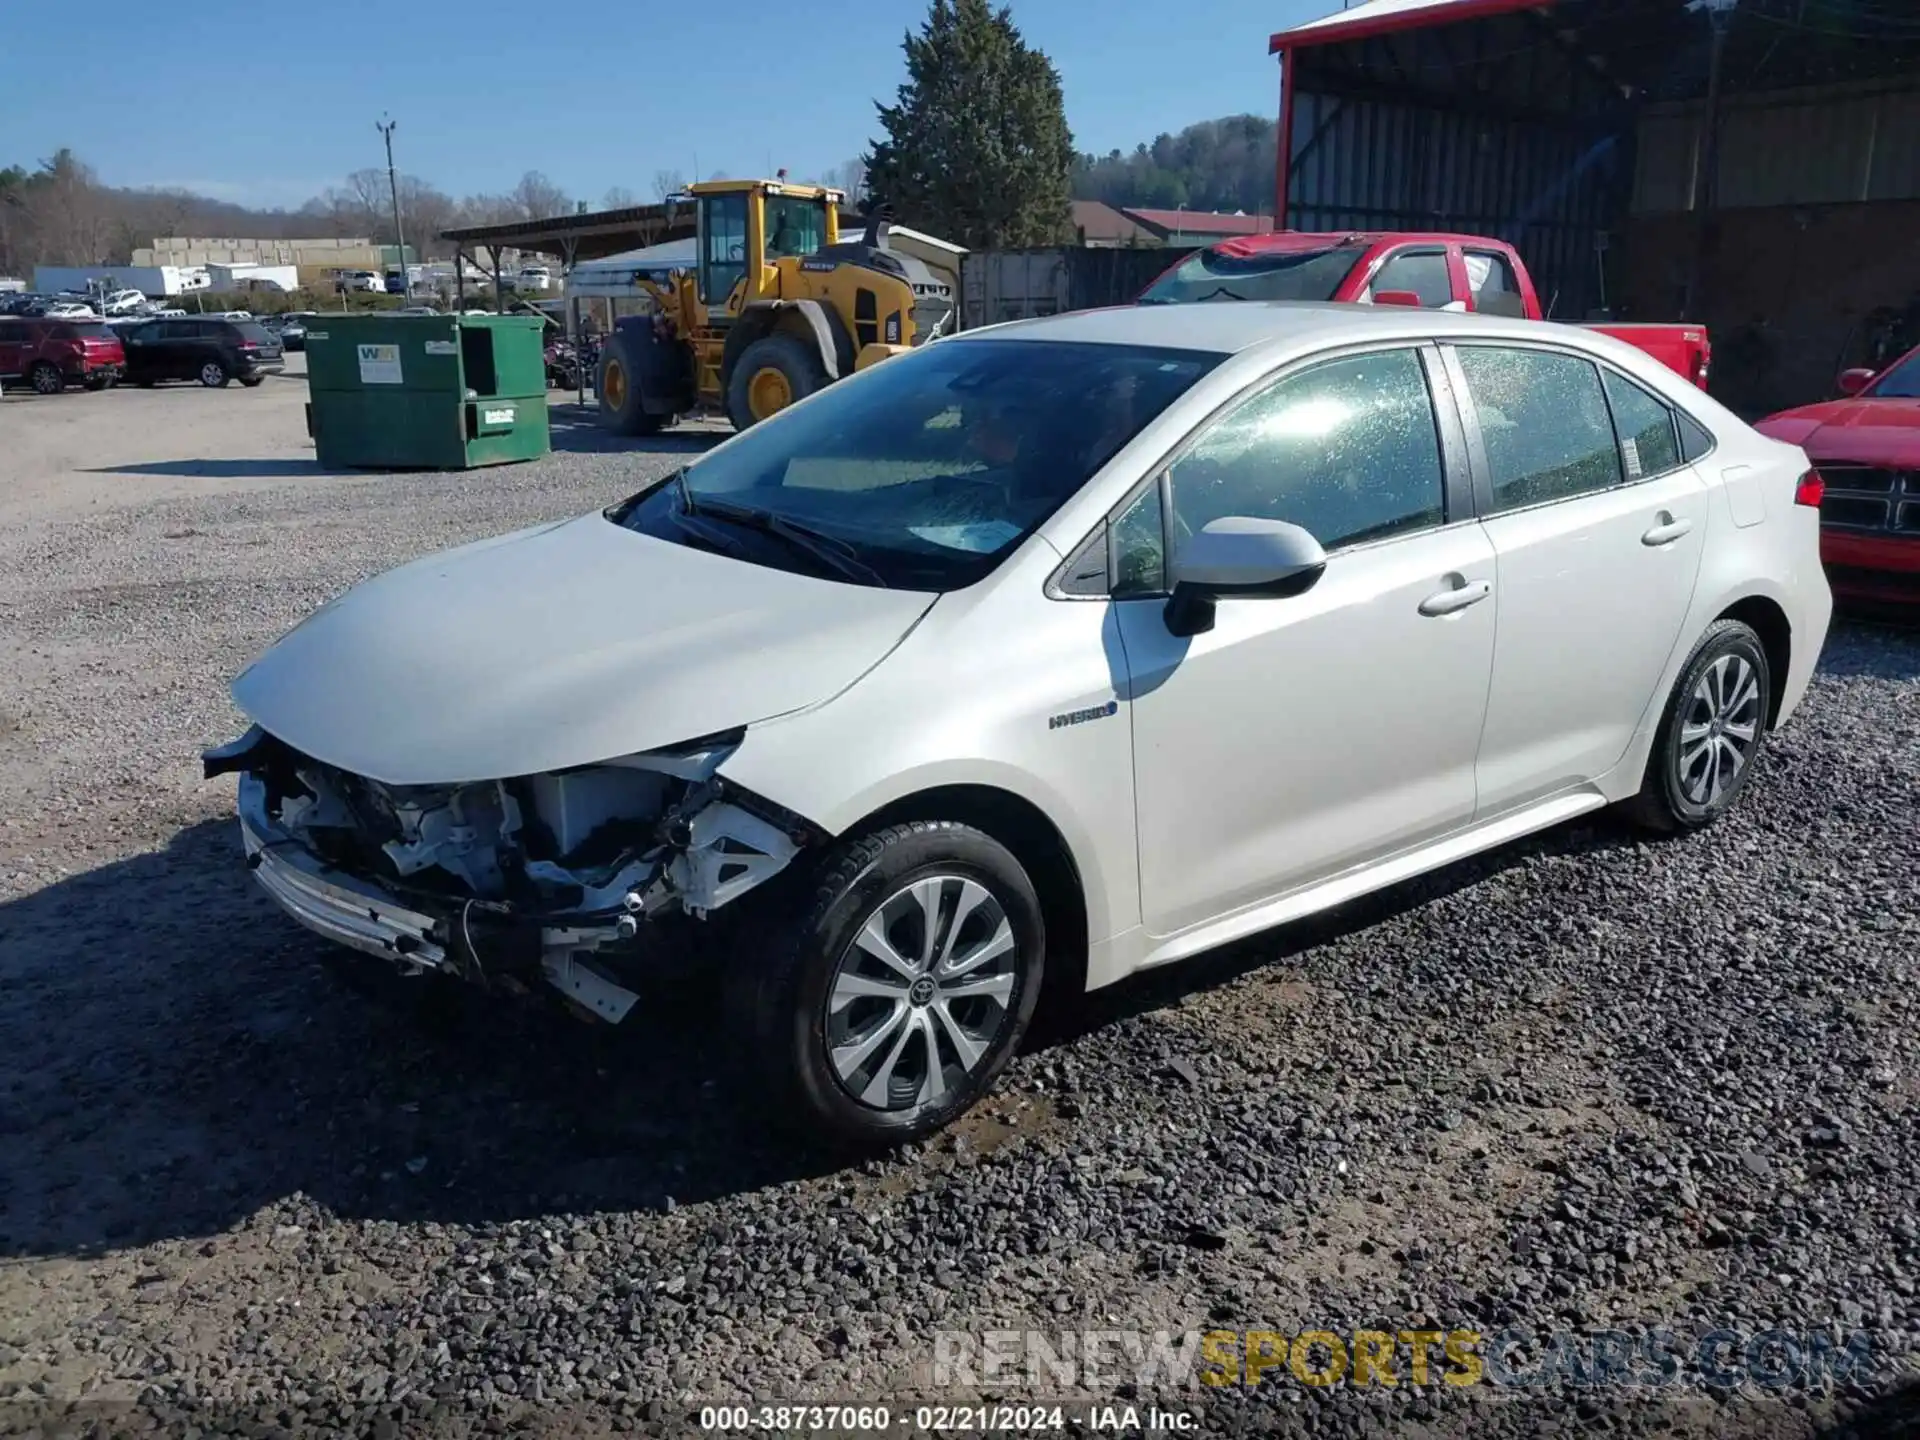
x,y
1228,327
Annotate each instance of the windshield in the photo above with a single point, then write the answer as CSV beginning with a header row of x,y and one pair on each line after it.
x,y
924,472
1902,382
1294,275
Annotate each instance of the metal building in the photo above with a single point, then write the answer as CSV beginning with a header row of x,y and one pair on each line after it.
x,y
1651,157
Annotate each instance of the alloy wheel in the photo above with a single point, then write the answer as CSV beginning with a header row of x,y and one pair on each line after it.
x,y
921,993
211,374
46,380
1719,730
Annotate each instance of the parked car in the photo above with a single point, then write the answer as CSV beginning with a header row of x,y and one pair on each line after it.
x,y
292,329
122,302
1426,270
205,348
1867,445
417,310
533,278
1346,595
70,310
50,354
362,280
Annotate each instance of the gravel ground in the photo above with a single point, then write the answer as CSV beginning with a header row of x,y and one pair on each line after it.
x,y
1584,1083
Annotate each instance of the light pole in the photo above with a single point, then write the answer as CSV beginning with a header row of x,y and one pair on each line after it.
x,y
386,129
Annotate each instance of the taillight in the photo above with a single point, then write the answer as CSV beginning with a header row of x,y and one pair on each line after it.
x,y
1810,490
249,345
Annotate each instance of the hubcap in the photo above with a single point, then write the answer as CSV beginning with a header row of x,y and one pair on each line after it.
x,y
921,993
767,392
46,380
1719,730
616,383
211,374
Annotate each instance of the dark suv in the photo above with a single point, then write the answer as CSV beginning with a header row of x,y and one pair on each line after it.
x,y
53,354
204,349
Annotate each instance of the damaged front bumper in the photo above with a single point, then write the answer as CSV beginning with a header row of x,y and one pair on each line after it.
x,y
712,850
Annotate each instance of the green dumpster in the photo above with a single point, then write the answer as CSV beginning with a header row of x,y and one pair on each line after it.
x,y
432,392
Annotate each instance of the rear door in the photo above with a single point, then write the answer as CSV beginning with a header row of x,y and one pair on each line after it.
x,y
1597,534
13,348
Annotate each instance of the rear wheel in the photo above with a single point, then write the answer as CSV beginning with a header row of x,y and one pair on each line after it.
x,y
771,374
1711,735
250,381
620,388
101,382
46,379
893,998
213,374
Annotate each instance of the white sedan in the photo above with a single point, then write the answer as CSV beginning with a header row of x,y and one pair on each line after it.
x,y
1031,659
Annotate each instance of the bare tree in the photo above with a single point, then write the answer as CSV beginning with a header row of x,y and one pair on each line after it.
x,y
667,183
426,211
850,176
619,198
536,197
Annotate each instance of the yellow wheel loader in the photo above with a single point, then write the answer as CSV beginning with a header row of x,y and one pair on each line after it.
x,y
776,306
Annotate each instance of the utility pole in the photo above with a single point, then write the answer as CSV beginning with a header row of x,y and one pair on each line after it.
x,y
386,129
1704,196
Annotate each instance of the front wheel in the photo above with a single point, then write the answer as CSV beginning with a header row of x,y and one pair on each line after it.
x,y
771,374
897,994
213,374
1711,735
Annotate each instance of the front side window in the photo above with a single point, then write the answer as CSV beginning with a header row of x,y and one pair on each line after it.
x,y
1424,272
724,259
1347,450
1544,423
1288,275
924,472
795,226
1648,445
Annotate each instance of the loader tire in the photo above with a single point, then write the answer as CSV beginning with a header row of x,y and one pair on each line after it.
x,y
619,388
771,374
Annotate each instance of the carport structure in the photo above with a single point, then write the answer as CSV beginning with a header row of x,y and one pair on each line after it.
x,y
590,235
1554,123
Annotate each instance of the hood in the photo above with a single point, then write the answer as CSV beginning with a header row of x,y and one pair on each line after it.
x,y
558,646
1865,431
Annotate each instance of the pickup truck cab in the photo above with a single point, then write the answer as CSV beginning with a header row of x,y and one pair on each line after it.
x,y
1430,270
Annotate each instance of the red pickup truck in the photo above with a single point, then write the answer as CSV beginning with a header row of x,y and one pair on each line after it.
x,y
1420,268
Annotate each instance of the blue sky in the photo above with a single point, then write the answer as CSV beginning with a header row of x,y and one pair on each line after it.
x,y
266,103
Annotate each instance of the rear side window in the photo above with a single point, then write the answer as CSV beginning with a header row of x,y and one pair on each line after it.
x,y
1347,450
92,332
1544,423
1424,273
250,330
1490,281
1648,442
1695,439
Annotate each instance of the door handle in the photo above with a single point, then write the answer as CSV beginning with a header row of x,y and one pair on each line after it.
x,y
1456,598
1666,531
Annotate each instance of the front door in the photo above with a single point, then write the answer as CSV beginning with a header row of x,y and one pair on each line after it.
x,y
1300,737
1597,526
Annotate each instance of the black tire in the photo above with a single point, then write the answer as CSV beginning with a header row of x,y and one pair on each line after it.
x,y
785,969
214,374
46,379
1679,792
798,364
253,382
620,387
101,382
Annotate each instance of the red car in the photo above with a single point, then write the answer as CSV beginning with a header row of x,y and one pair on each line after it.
x,y
1430,269
53,354
1867,447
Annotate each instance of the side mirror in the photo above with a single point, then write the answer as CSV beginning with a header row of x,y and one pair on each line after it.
x,y
1397,297
1852,382
1238,555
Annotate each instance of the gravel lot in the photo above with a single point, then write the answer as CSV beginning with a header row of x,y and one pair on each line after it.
x,y
1586,1082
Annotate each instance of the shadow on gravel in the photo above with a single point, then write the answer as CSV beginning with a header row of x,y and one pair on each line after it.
x,y
226,469
576,429
1894,1416
173,1057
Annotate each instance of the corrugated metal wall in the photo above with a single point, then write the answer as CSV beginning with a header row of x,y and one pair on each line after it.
x,y
1553,192
1801,147
997,285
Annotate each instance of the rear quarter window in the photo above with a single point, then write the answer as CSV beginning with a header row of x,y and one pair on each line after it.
x,y
93,332
250,330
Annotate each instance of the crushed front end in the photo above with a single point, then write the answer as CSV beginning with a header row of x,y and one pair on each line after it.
x,y
587,877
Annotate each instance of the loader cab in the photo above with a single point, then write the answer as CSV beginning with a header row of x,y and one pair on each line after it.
x,y
743,225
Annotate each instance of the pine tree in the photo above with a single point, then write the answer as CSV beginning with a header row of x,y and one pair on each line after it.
x,y
977,149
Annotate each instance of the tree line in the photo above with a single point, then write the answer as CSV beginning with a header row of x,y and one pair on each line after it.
x,y
975,147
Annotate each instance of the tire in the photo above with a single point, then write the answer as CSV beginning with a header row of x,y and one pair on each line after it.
x,y
620,387
101,382
46,378
752,389
253,382
883,1092
214,374
1719,702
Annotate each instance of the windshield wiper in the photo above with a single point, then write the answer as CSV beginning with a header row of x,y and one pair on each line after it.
x,y
829,550
1222,290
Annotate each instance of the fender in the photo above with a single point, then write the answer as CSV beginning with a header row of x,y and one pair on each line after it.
x,y
762,318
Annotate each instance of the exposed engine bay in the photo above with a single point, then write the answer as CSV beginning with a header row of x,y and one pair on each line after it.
x,y
563,874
